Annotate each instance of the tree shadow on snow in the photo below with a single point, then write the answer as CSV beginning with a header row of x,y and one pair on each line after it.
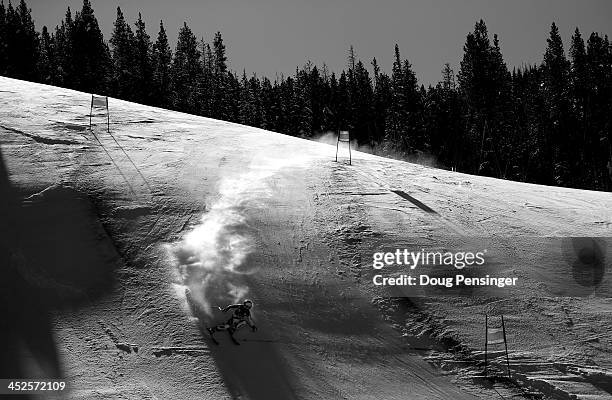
x,y
54,254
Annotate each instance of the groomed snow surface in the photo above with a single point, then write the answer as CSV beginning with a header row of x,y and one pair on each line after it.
x,y
119,247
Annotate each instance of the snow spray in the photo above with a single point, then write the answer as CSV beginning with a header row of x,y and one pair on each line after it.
x,y
210,262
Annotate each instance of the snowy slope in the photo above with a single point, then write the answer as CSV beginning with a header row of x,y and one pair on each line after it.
x,y
201,212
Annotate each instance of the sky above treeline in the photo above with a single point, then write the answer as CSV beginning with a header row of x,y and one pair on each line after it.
x,y
270,37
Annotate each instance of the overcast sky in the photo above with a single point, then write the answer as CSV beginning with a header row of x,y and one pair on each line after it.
x,y
275,36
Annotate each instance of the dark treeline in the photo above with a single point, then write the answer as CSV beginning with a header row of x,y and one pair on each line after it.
x,y
547,123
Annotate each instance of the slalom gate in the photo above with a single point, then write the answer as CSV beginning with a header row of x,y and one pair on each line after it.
x,y
495,337
344,136
100,103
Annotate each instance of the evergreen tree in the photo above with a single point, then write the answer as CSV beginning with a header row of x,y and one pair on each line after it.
x,y
248,110
484,83
303,101
143,63
474,72
362,118
351,59
12,27
62,55
25,45
231,97
579,83
579,73
382,101
3,39
20,43
473,82
255,87
448,78
501,140
161,79
289,114
207,78
404,122
396,118
63,52
270,105
221,99
533,109
46,59
186,72
90,57
599,61
336,104
555,69
125,60
284,94
443,120
343,101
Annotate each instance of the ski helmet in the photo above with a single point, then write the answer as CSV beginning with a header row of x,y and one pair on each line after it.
x,y
248,301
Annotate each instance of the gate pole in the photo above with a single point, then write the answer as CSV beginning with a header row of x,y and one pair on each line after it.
x,y
486,341
90,111
337,144
107,116
506,345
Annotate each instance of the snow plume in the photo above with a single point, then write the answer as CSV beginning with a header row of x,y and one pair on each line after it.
x,y
331,138
210,262
380,149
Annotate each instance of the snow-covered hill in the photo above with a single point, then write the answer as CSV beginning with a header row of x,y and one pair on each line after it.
x,y
130,240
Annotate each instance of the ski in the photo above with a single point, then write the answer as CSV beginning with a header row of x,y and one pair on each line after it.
x,y
212,337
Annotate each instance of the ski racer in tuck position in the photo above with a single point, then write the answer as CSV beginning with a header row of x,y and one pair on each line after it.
x,y
241,316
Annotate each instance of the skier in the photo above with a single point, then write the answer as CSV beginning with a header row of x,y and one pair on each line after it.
x,y
240,318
